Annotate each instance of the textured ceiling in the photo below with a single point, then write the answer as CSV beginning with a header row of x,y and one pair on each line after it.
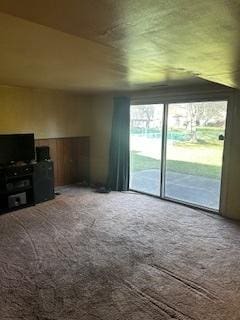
x,y
116,45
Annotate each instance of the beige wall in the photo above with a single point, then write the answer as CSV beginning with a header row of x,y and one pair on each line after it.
x,y
53,114
231,170
47,113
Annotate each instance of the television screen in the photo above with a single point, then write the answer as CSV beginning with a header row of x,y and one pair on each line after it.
x,y
16,147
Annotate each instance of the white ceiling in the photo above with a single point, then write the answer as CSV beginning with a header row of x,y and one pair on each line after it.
x,y
105,45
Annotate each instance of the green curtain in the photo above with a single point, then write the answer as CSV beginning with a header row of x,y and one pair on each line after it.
x,y
118,174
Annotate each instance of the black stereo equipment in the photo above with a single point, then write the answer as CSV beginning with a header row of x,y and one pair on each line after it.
x,y
18,171
43,181
17,200
14,185
42,153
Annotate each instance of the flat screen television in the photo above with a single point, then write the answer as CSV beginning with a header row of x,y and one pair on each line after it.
x,y
16,147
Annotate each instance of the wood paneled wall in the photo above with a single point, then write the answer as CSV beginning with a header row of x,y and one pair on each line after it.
x,y
70,157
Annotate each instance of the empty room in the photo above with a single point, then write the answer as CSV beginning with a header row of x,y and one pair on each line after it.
x,y
119,160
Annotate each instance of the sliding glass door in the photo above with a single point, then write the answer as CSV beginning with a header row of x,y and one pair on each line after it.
x,y
194,153
145,148
191,136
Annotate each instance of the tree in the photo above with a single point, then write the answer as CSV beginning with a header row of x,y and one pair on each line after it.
x,y
143,114
204,113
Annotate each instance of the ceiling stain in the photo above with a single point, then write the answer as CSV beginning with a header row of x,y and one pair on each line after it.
x,y
119,45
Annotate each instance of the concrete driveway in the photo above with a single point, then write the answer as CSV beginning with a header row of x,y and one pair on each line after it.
x,y
188,188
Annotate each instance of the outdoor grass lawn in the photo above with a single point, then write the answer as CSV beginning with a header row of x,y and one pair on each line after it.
x,y
139,162
201,158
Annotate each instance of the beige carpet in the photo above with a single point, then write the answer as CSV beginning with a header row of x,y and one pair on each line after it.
x,y
126,256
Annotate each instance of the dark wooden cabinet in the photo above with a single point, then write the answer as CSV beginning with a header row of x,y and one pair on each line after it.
x,y
16,187
70,157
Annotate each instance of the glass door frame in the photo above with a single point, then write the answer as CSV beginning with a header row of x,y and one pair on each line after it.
x,y
186,99
160,147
